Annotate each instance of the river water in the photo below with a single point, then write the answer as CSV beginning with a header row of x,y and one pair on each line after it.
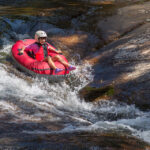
x,y
36,114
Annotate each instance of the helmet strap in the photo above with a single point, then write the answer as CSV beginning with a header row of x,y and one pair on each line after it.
x,y
39,39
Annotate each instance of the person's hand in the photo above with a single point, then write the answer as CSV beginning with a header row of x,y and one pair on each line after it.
x,y
20,52
59,51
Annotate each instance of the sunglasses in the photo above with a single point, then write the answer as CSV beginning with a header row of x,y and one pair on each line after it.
x,y
42,38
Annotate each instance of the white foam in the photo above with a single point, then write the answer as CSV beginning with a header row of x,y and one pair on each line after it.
x,y
61,102
145,135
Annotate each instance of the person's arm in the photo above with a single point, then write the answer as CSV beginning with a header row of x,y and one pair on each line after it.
x,y
54,49
24,48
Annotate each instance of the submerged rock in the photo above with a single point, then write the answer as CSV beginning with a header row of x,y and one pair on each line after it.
x,y
80,140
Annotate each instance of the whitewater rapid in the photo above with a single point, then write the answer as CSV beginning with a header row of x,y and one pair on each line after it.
x,y
37,100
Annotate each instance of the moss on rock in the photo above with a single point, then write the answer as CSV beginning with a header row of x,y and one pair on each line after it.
x,y
94,94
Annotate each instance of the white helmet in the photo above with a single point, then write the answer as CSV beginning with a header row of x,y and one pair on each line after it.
x,y
39,34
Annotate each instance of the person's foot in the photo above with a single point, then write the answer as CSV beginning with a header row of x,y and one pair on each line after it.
x,y
58,70
70,68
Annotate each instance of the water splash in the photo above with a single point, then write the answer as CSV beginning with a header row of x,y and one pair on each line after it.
x,y
40,101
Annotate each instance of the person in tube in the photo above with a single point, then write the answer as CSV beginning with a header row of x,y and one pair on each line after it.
x,y
40,50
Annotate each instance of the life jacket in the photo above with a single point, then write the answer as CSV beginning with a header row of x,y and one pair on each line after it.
x,y
42,52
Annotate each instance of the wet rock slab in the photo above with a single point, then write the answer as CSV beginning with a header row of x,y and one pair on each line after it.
x,y
124,20
74,141
125,64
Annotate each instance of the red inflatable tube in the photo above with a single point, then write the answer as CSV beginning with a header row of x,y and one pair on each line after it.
x,y
34,67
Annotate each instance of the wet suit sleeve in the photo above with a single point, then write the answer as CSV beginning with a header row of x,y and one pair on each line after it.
x,y
28,48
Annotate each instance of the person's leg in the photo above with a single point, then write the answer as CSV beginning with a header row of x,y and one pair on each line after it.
x,y
60,59
50,62
52,65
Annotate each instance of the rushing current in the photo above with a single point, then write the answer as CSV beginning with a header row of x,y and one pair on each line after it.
x,y
37,100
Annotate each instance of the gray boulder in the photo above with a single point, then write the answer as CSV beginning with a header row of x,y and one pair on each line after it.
x,y
125,64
